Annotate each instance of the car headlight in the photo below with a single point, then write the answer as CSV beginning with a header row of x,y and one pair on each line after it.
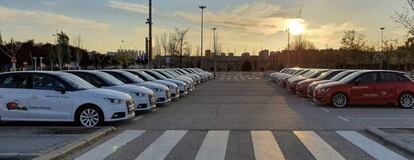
x,y
141,94
158,90
324,89
114,101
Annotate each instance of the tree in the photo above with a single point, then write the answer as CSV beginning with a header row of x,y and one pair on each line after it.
x,y
351,40
406,17
11,49
179,39
63,49
1,39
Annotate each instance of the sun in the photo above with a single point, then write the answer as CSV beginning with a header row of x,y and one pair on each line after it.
x,y
296,27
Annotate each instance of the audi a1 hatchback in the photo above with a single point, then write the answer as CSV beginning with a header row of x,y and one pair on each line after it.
x,y
368,87
141,95
60,97
174,94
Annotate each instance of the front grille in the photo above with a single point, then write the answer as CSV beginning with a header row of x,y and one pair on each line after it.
x,y
168,93
152,99
130,106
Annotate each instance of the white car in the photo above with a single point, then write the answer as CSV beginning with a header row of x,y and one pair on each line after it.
x,y
143,97
182,86
60,97
175,92
161,91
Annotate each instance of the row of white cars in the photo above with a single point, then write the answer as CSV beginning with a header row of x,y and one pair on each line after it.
x,y
92,97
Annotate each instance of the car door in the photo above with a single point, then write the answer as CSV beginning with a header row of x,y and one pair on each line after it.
x,y
388,87
14,97
45,103
364,90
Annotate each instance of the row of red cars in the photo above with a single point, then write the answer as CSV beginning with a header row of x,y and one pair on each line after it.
x,y
342,87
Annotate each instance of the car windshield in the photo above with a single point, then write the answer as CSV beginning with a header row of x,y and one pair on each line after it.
x,y
110,80
341,75
350,77
158,75
165,74
172,73
76,83
132,77
146,75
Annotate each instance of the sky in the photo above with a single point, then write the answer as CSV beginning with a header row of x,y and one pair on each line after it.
x,y
243,25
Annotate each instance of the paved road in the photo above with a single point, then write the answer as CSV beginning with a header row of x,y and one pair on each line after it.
x,y
245,117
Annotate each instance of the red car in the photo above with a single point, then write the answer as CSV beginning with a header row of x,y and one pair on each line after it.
x,y
302,87
368,87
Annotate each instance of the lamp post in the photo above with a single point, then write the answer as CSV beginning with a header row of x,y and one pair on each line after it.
x,y
149,22
202,33
41,63
215,51
35,63
382,47
288,46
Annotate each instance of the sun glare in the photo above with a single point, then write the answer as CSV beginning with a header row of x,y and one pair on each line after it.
x,y
296,27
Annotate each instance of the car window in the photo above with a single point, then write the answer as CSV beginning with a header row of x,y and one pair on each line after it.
x,y
91,79
14,81
45,82
367,78
389,77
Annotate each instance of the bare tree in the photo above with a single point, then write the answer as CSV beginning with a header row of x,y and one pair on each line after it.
x,y
78,56
351,40
406,17
179,37
11,49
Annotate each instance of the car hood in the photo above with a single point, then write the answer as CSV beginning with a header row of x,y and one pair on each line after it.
x,y
102,93
330,84
130,89
153,85
320,82
167,83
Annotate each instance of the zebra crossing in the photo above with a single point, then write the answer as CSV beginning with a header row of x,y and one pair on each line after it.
x,y
239,77
264,144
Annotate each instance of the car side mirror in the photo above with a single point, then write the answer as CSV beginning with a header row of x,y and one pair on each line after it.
x,y
60,89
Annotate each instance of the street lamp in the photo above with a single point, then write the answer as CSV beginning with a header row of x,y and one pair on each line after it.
x,y
288,45
382,46
35,63
41,63
215,51
202,32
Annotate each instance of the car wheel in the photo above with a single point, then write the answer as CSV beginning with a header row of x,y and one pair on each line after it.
x,y
339,100
89,117
406,100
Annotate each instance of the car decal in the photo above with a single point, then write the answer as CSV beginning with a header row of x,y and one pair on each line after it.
x,y
14,105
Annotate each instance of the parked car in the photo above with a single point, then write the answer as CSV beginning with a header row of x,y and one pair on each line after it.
x,y
175,92
368,87
302,87
141,95
129,78
338,77
182,86
189,82
60,97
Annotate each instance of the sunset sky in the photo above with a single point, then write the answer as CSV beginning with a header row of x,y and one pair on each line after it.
x,y
243,25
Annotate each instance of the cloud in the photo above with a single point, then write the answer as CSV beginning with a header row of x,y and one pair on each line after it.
x,y
259,17
53,3
131,7
50,19
330,34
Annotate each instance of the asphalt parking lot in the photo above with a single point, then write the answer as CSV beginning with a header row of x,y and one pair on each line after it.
x,y
248,117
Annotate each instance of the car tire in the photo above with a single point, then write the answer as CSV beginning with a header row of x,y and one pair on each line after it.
x,y
89,116
406,100
339,100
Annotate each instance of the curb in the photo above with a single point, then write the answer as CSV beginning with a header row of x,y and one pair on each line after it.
x,y
387,138
77,145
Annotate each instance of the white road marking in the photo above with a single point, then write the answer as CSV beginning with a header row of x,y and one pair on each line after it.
x,y
317,146
265,146
369,146
326,110
105,149
381,118
340,117
214,146
160,148
228,78
137,118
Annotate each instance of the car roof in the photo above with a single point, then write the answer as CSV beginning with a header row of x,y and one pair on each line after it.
x,y
56,73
